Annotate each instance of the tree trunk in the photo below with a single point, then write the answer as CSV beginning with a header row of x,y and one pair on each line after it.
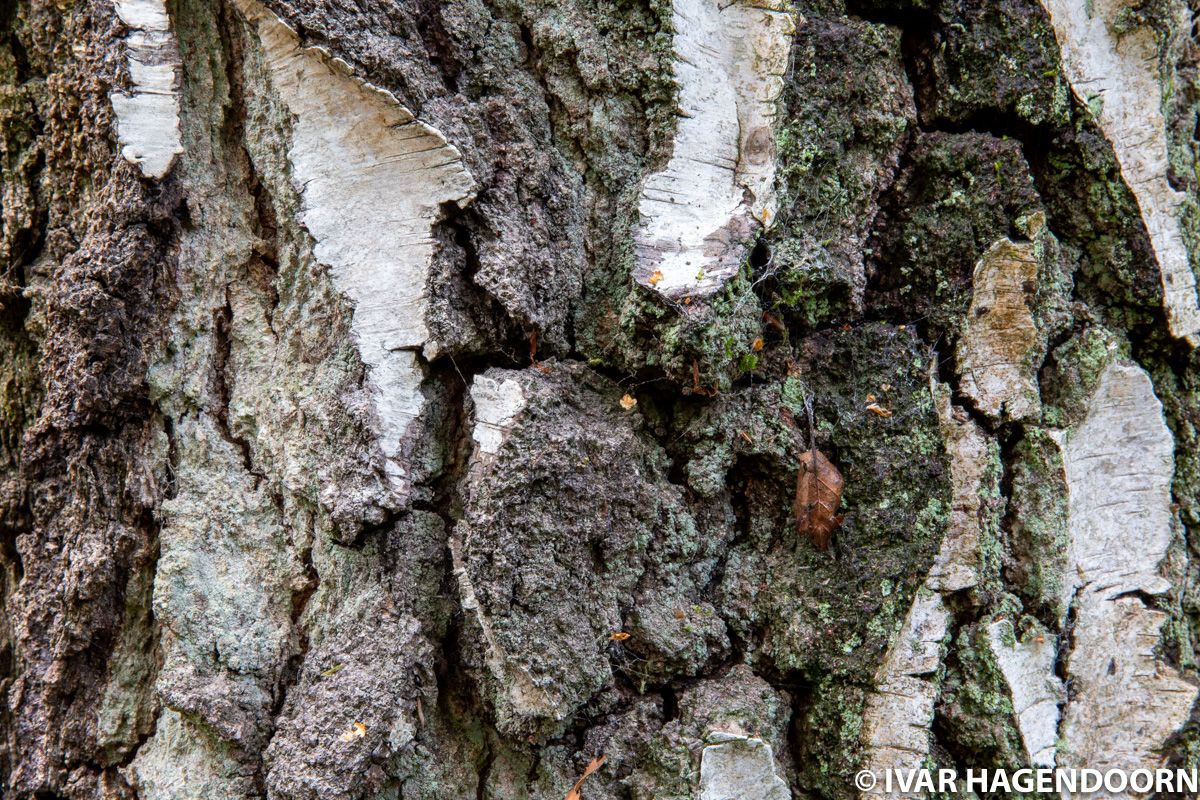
x,y
427,398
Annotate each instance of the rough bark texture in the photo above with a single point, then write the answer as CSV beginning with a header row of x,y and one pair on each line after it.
x,y
393,394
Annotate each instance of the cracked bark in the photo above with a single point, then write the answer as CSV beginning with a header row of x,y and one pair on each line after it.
x,y
374,425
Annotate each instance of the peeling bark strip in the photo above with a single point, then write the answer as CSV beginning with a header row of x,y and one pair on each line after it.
x,y
899,713
1120,464
719,184
148,115
1118,70
1028,668
372,179
957,564
996,355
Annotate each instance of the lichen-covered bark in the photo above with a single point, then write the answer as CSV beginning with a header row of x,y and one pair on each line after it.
x,y
405,398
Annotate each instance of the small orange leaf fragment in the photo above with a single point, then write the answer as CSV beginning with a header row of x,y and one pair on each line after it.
x,y
879,410
356,731
656,277
758,344
628,402
618,636
870,398
576,792
680,614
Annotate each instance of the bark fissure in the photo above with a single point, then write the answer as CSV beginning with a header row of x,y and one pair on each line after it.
x,y
571,533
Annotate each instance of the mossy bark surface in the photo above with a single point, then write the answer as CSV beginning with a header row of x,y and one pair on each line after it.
x,y
350,448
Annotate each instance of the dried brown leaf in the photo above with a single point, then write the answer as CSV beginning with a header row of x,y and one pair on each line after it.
x,y
576,792
818,495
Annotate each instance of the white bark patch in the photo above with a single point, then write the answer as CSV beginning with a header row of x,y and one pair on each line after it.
x,y
1125,702
1119,464
733,765
497,406
1037,693
148,114
1120,74
372,179
719,184
999,342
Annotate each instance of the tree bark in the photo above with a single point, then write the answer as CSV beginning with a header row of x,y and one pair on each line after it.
x,y
405,398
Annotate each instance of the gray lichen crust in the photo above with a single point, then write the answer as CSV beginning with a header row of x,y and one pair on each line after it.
x,y
407,398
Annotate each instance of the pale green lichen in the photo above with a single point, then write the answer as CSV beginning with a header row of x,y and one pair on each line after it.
x,y
975,709
1038,524
1073,371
